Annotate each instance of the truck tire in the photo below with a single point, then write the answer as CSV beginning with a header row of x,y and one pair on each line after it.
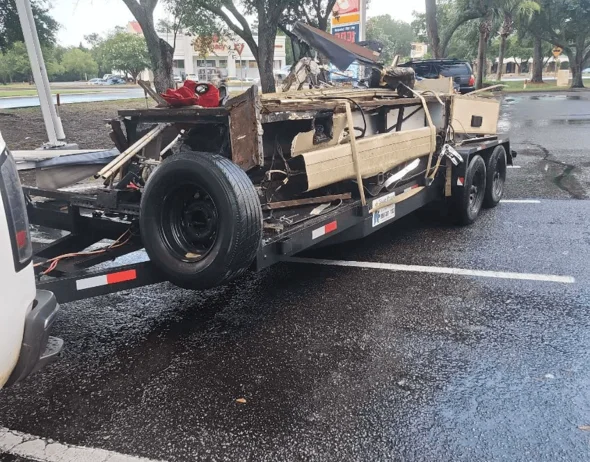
x,y
200,220
468,201
496,177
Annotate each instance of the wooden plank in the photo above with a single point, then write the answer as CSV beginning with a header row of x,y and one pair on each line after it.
x,y
148,89
188,112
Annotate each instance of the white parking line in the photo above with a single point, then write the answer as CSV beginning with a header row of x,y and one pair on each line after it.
x,y
437,270
514,166
519,201
44,450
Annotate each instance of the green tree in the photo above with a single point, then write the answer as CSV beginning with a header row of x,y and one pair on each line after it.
x,y
79,64
16,62
442,18
512,11
566,23
161,53
125,52
10,29
396,36
268,14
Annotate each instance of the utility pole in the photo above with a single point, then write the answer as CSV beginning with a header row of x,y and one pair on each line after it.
x,y
363,14
55,131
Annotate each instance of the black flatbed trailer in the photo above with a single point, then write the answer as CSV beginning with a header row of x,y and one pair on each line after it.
x,y
89,216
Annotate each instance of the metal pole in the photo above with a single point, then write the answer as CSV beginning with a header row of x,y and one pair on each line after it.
x,y
53,124
363,27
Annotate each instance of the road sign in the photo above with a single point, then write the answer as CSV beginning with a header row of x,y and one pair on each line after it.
x,y
239,47
557,51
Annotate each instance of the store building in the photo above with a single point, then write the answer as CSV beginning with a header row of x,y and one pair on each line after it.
x,y
227,59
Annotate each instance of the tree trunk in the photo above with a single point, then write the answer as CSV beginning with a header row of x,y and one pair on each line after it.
x,y
266,57
161,52
432,27
576,68
501,58
481,57
537,76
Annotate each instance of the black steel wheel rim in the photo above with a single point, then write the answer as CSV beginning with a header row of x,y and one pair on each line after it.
x,y
499,178
477,191
189,223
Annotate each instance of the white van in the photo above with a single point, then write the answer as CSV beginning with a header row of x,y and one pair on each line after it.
x,y
26,315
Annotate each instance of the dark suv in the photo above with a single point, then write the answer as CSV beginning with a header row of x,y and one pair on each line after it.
x,y
459,70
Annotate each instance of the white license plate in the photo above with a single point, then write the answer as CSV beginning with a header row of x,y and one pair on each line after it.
x,y
386,213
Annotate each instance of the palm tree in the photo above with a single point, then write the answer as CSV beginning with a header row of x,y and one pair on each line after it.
x,y
488,13
523,10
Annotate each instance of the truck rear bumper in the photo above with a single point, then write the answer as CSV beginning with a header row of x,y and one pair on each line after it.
x,y
38,348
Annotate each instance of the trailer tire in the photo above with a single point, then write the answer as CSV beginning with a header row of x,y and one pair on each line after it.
x,y
496,177
469,199
200,220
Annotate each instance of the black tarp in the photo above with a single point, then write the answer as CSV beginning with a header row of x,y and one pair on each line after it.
x,y
340,52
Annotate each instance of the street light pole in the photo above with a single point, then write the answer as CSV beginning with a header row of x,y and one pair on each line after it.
x,y
55,131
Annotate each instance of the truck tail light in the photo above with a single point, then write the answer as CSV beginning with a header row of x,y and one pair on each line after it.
x,y
472,81
15,209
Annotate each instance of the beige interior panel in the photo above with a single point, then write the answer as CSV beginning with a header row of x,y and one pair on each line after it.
x,y
465,108
377,154
440,85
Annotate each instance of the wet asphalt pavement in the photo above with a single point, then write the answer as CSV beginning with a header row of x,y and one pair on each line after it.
x,y
343,364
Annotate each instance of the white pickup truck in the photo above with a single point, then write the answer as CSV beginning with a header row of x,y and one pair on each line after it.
x,y
26,315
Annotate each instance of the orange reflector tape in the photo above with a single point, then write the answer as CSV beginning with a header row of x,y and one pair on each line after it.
x,y
113,278
317,233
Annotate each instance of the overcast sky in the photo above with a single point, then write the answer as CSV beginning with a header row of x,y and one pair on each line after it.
x,y
82,17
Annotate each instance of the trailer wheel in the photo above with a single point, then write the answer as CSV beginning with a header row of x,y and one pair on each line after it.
x,y
496,177
200,220
468,202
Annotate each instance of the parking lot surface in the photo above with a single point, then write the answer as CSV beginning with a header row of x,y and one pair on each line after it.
x,y
375,357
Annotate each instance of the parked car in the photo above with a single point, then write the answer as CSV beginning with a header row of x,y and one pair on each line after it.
x,y
115,81
177,78
26,314
459,70
96,81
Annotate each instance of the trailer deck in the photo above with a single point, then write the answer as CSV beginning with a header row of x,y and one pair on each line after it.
x,y
315,167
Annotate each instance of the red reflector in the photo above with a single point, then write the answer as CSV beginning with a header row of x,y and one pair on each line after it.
x,y
331,227
123,276
22,239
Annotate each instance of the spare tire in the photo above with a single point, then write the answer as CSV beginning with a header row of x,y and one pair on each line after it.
x,y
200,220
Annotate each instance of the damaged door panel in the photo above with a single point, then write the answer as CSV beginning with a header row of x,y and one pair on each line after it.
x,y
246,129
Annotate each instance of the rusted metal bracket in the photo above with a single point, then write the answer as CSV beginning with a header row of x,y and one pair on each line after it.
x,y
308,201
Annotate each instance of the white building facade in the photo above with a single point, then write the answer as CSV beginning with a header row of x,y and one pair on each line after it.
x,y
226,59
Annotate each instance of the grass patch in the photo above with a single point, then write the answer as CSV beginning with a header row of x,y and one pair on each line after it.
x,y
518,86
29,92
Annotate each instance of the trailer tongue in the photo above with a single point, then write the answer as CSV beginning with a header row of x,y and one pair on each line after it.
x,y
211,193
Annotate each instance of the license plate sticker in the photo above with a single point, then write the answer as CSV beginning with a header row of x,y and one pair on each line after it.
x,y
386,213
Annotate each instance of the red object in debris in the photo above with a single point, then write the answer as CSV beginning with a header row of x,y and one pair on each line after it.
x,y
208,95
192,94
